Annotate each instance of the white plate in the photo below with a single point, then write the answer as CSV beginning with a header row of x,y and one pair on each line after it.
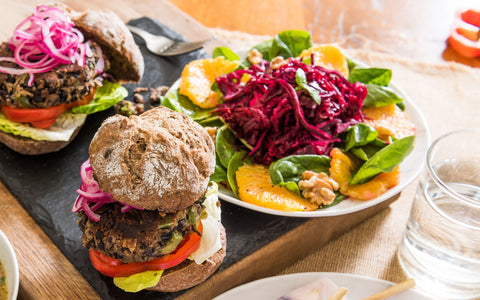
x,y
9,262
358,287
409,168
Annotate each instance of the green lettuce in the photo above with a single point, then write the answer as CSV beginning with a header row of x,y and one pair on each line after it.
x,y
62,130
139,281
106,96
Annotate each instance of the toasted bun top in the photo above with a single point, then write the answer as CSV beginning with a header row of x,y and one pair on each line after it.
x,y
158,160
116,41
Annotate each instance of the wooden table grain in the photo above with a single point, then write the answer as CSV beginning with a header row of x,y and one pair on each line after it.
x,y
413,28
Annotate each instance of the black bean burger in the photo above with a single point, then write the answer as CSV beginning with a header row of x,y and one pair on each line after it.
x,y
59,66
149,216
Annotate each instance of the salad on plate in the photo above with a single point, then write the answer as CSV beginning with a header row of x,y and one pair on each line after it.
x,y
297,127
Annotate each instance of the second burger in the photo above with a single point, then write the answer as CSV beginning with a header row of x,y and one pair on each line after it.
x,y
149,216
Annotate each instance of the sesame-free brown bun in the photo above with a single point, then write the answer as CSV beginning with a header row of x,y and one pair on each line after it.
x,y
159,160
117,43
188,273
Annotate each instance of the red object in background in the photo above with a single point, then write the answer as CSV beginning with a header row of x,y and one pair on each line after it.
x,y
465,34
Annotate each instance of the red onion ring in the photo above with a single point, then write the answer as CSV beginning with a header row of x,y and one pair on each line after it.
x,y
91,197
48,41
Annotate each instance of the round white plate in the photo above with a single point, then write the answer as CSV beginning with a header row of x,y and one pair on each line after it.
x,y
409,168
9,262
358,287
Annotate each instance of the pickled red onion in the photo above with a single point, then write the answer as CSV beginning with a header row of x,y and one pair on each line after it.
x,y
91,197
49,41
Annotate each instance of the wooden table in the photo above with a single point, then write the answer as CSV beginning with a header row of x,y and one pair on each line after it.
x,y
414,29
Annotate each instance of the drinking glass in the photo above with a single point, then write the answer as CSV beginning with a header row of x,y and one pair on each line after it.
x,y
441,244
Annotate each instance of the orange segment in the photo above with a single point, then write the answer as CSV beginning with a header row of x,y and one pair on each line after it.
x,y
256,187
198,77
341,168
327,56
389,120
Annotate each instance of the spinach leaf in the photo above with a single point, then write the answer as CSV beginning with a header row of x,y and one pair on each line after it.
x,y
380,96
289,43
220,173
358,135
367,151
225,52
237,160
371,75
290,168
213,121
301,79
384,160
180,103
225,145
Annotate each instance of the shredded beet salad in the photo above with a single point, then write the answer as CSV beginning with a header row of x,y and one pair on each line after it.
x,y
277,117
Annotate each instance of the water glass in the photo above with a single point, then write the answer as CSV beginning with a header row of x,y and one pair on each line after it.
x,y
441,244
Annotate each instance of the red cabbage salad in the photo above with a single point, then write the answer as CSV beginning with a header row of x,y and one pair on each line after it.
x,y
289,116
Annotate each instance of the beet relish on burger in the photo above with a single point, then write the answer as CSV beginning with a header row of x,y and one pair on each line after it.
x,y
59,66
149,216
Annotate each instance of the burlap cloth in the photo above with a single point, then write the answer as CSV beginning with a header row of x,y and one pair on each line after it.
x,y
448,94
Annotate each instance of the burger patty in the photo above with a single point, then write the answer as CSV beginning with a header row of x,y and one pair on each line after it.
x,y
137,235
64,84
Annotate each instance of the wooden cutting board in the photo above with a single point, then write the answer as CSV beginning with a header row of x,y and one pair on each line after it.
x,y
259,245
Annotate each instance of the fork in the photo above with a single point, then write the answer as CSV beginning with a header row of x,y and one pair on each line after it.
x,y
163,46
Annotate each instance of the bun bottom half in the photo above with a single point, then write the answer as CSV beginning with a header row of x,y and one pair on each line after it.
x,y
29,146
188,273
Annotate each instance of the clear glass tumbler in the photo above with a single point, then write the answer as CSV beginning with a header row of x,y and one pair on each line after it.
x,y
441,245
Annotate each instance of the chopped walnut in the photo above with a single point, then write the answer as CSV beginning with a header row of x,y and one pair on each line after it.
x,y
212,132
277,62
318,188
255,57
138,98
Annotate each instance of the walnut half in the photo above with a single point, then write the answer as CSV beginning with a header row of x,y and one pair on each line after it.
x,y
318,188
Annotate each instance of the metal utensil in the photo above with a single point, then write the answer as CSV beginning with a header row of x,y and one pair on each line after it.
x,y
164,46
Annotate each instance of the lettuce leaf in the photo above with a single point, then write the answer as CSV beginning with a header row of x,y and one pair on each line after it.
x,y
106,96
62,130
139,281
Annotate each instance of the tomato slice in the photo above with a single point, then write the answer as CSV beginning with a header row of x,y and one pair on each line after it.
x,y
115,268
42,117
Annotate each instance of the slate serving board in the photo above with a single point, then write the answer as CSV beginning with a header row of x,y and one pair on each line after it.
x,y
45,185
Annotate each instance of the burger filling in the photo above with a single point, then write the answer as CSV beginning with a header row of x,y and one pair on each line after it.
x,y
149,241
65,84
138,235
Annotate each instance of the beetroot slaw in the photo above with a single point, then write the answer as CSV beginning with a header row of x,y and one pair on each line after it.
x,y
277,118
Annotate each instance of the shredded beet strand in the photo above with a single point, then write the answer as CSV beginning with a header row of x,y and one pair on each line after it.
x,y
278,118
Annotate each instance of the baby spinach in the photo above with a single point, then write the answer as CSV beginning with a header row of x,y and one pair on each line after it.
x,y
225,52
384,160
377,76
289,43
288,171
380,96
358,135
225,145
301,79
220,173
237,160
180,103
367,151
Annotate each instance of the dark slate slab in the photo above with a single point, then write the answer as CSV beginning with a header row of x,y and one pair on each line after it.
x,y
45,185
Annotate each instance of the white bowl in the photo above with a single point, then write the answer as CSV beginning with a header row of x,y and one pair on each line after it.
x,y
9,262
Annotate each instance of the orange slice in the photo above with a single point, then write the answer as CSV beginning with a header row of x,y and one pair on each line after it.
x,y
327,56
341,168
198,77
256,187
389,120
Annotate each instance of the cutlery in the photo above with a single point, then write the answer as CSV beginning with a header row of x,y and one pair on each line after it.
x,y
163,46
